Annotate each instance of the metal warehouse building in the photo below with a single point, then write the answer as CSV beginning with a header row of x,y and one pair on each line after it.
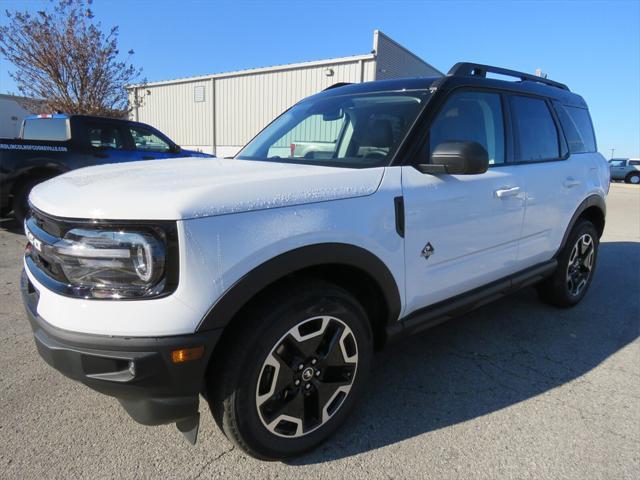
x,y
221,112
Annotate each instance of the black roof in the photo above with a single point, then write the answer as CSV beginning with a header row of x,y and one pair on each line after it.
x,y
531,85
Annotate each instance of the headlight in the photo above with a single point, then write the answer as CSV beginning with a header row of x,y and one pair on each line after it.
x,y
112,263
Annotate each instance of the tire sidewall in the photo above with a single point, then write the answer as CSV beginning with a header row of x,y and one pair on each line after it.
x,y
276,324
630,177
584,227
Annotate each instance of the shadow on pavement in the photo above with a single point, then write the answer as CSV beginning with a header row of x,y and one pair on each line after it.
x,y
495,357
11,225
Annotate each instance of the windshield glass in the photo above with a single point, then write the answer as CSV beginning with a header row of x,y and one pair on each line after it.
x,y
354,131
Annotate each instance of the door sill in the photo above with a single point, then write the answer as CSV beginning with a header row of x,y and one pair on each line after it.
x,y
433,315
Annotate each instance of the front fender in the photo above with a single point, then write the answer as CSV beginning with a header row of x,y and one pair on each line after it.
x,y
287,263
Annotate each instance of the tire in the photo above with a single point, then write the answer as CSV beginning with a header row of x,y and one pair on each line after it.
x,y
633,177
20,200
576,267
252,384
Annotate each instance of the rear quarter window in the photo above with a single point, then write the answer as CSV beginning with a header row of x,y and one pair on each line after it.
x,y
48,129
577,126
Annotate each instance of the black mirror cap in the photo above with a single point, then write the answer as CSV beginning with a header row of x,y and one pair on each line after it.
x,y
458,158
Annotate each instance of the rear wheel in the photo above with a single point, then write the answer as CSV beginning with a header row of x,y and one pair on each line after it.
x,y
293,372
633,177
576,264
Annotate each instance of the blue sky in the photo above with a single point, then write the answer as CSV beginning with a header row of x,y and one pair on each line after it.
x,y
593,46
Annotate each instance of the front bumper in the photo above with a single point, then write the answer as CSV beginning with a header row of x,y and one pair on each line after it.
x,y
137,371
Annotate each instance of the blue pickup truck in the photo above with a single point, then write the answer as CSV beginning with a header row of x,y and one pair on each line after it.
x,y
53,144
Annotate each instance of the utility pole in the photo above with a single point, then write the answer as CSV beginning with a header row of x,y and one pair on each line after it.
x,y
612,150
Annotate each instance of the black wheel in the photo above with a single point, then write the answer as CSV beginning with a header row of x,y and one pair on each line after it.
x,y
20,200
633,177
576,264
293,370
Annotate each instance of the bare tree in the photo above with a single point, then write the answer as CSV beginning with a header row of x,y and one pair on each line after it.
x,y
62,56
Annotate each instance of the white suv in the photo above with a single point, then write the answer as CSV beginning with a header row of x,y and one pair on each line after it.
x,y
266,282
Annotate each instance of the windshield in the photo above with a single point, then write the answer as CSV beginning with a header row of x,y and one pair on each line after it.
x,y
355,131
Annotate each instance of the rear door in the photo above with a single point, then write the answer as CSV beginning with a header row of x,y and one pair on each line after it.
x,y
462,231
555,179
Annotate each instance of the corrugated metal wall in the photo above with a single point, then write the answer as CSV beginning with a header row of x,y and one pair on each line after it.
x,y
244,105
172,109
238,105
394,61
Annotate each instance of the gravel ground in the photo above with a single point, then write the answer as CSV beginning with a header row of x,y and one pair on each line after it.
x,y
515,389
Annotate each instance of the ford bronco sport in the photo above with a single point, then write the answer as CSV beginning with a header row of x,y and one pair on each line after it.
x,y
265,282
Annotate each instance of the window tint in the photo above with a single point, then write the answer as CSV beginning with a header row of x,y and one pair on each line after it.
x,y
50,129
105,136
634,162
148,141
576,124
474,117
535,129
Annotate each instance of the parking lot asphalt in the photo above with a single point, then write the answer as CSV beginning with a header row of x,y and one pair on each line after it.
x,y
516,389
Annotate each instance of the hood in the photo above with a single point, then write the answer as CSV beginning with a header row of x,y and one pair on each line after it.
x,y
195,187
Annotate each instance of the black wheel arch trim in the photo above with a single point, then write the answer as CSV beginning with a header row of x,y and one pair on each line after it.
x,y
277,268
593,200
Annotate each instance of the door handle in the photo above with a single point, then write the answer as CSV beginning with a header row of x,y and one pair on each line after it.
x,y
507,192
148,158
571,182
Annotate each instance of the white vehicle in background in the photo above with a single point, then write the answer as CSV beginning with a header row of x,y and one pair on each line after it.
x,y
265,282
625,169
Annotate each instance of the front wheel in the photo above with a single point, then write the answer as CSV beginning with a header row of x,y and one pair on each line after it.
x,y
576,264
293,370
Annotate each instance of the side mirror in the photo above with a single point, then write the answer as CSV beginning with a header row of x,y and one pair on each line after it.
x,y
457,158
176,149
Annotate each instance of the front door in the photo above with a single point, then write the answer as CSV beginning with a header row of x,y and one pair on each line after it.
x,y
462,231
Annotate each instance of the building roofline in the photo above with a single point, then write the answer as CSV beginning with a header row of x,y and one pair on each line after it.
x,y
377,33
252,71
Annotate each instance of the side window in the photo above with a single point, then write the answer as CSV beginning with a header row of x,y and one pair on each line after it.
x,y
534,129
473,117
148,141
618,163
577,127
105,136
634,162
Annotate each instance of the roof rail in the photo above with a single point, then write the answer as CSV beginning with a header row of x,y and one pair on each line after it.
x,y
478,70
336,85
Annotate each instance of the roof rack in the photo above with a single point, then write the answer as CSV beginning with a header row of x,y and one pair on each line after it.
x,y
478,70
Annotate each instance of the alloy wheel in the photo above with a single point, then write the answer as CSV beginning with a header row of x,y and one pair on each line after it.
x,y
580,264
307,376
